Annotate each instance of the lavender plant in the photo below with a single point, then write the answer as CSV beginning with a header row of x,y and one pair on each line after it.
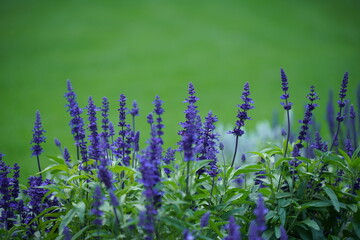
x,y
184,192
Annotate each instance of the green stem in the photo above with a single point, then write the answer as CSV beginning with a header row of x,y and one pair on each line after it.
x,y
187,177
236,146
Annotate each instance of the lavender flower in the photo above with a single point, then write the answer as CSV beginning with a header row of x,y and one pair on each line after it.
x,y
94,151
105,175
111,130
105,123
58,143
318,144
77,125
150,119
67,157
349,147
67,233
5,202
207,141
283,235
122,146
242,117
284,82
341,104
258,176
187,235
39,200
159,111
233,230
352,127
204,221
191,126
258,226
312,96
287,106
98,202
169,157
150,170
38,138
146,222
135,110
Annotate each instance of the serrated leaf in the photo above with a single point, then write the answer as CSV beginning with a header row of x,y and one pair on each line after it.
x,y
333,198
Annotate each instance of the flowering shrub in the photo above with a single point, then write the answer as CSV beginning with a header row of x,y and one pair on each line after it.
x,y
110,189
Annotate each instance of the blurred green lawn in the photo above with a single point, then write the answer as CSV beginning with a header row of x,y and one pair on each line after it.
x,y
148,48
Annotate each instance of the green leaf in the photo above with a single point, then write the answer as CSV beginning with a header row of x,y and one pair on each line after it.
x,y
79,233
67,219
318,204
333,198
60,167
356,227
119,169
80,210
311,223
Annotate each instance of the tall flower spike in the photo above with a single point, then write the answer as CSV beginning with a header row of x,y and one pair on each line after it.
x,y
150,171
242,117
258,226
159,111
191,126
341,104
77,125
94,148
38,138
105,134
287,106
98,202
312,96
352,127
204,221
233,230
207,143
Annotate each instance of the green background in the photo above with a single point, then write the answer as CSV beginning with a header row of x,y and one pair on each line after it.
x,y
148,48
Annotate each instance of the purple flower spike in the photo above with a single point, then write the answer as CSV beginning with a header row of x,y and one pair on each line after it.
x,y
341,103
98,202
135,110
159,111
105,134
187,235
122,112
312,96
258,226
169,157
38,136
233,230
94,149
242,112
77,125
57,143
67,155
318,144
242,117
67,233
191,126
287,105
204,221
283,235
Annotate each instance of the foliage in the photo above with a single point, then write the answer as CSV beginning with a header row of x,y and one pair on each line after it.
x,y
119,192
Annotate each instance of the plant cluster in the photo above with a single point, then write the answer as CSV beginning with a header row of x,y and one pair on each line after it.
x,y
110,189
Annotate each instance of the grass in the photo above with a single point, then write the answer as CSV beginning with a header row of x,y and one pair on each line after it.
x,y
144,48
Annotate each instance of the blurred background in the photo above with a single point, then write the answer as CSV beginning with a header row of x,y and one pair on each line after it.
x,y
149,48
